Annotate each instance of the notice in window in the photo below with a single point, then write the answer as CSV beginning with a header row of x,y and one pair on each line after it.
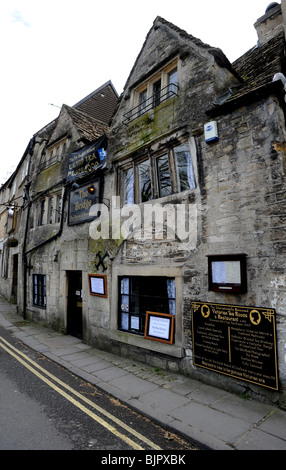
x,y
159,327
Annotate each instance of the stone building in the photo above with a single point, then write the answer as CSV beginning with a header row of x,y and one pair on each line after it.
x,y
39,240
170,250
197,157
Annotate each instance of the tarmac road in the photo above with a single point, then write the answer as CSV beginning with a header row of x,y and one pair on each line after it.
x,y
45,407
201,413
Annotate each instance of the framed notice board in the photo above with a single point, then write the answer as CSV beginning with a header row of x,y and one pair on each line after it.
x,y
237,341
227,273
97,285
159,327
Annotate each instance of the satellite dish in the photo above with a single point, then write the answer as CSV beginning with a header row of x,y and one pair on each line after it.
x,y
272,5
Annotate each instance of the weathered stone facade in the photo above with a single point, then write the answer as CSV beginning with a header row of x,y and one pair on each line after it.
x,y
232,189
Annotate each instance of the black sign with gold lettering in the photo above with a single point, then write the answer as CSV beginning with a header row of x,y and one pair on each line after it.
x,y
80,202
236,341
87,159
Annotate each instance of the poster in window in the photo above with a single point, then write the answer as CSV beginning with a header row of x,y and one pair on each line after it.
x,y
97,285
159,327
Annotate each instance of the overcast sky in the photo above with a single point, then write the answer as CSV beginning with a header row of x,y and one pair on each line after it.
x,y
57,52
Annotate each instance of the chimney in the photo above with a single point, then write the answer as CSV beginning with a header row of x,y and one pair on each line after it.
x,y
271,23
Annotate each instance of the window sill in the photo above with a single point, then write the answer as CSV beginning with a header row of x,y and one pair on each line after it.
x,y
138,341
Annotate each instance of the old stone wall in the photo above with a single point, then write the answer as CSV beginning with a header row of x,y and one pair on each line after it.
x,y
243,211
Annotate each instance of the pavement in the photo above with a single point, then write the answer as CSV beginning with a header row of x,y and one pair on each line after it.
x,y
213,417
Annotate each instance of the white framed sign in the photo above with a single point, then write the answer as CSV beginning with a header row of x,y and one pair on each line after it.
x,y
159,327
97,285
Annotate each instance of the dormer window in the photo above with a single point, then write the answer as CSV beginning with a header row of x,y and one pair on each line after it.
x,y
158,88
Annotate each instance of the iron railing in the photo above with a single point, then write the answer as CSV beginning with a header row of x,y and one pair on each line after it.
x,y
150,103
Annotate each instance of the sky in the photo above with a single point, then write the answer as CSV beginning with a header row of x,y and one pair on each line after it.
x,y
57,52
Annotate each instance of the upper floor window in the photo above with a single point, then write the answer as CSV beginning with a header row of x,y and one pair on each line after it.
x,y
159,88
158,176
47,211
54,154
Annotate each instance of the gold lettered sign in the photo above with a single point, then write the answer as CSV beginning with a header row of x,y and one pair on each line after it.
x,y
236,341
80,202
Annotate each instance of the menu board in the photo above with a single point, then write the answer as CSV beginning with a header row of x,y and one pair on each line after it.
x,y
237,341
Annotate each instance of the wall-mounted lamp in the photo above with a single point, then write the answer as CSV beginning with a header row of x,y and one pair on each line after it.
x,y
91,189
56,256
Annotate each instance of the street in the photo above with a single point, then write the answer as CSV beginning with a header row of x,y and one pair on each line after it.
x,y
45,407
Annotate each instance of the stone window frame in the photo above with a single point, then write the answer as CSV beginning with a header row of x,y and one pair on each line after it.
x,y
54,153
173,350
42,212
145,96
40,290
130,170
130,302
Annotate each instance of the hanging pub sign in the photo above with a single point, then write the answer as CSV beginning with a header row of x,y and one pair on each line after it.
x,y
80,202
236,341
87,159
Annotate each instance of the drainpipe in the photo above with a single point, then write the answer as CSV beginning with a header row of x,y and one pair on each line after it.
x,y
24,257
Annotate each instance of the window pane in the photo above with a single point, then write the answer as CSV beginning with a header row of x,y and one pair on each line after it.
x,y
124,321
129,186
59,208
42,213
164,179
144,182
172,82
142,102
156,93
39,290
51,209
184,166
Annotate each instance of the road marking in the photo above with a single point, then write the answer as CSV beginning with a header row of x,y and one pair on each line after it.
x,y
82,397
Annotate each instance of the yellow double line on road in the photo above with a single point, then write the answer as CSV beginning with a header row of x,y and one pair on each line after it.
x,y
26,361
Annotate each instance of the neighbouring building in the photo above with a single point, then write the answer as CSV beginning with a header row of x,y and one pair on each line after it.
x,y
160,234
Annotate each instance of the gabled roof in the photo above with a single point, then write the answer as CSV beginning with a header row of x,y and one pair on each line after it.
x,y
100,104
89,128
184,39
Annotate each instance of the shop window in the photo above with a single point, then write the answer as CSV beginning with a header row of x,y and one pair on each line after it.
x,y
137,295
39,290
159,176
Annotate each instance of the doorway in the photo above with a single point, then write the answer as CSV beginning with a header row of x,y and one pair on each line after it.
x,y
74,314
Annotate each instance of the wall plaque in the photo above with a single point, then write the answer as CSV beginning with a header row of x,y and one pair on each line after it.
x,y
236,341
